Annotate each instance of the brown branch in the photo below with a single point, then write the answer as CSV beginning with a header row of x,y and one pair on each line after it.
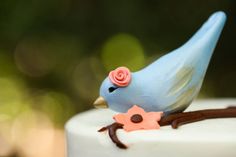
x,y
179,119
184,120
112,133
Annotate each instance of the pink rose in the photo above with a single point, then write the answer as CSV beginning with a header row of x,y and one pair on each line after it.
x,y
120,76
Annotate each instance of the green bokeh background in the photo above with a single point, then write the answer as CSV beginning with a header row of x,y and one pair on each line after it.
x,y
55,53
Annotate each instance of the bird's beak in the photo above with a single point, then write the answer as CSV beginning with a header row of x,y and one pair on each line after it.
x,y
100,102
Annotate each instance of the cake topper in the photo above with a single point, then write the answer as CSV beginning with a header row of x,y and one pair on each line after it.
x,y
170,83
156,95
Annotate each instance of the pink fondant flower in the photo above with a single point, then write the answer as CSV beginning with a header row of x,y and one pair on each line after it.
x,y
120,76
137,119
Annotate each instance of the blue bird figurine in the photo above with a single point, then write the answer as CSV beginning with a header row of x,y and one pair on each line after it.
x,y
170,83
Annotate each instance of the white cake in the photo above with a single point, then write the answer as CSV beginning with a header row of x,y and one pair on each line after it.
x,y
214,137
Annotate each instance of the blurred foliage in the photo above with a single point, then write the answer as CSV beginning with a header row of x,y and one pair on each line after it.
x,y
123,50
55,53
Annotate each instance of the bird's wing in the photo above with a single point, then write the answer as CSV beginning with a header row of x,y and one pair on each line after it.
x,y
183,89
181,79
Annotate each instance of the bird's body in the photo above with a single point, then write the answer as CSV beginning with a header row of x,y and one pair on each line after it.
x,y
170,83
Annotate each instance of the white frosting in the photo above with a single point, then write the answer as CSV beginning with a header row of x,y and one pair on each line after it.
x,y
215,137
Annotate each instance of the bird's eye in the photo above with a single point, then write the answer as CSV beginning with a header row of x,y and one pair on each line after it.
x,y
111,89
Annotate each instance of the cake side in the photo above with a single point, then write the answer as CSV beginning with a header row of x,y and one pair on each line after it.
x,y
215,137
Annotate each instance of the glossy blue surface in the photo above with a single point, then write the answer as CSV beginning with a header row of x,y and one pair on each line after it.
x,y
170,83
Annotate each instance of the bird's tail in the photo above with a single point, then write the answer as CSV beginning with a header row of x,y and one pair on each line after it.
x,y
194,57
200,47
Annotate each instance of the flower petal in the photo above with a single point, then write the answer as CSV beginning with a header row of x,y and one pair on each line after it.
x,y
136,110
156,116
132,127
149,125
121,118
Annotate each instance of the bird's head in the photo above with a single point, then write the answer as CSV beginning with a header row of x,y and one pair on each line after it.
x,y
115,91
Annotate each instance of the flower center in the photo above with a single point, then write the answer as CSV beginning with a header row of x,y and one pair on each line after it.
x,y
136,118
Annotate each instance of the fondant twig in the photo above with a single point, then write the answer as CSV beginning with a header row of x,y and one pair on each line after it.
x,y
112,133
178,119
